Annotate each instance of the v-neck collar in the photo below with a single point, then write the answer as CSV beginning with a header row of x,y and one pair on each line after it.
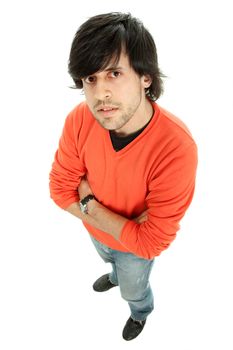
x,y
136,139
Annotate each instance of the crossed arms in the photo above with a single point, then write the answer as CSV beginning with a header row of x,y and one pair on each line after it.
x,y
99,216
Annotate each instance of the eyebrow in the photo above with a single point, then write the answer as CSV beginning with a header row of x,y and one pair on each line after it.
x,y
113,68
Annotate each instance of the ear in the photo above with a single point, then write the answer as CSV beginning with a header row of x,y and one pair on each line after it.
x,y
146,81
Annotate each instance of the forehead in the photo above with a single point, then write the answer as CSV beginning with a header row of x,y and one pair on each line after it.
x,y
123,63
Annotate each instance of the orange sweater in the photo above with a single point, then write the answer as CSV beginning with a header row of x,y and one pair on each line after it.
x,y
156,171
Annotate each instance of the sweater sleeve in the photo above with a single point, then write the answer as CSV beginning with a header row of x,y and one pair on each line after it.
x,y
67,169
170,193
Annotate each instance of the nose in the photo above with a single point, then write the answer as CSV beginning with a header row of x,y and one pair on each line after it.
x,y
102,91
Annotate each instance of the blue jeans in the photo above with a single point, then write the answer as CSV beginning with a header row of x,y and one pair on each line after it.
x,y
131,273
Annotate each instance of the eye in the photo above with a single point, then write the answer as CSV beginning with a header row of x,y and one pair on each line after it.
x,y
115,74
90,79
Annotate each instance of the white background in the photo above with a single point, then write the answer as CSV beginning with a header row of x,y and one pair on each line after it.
x,y
47,262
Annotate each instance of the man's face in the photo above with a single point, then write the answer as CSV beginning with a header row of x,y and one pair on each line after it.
x,y
116,96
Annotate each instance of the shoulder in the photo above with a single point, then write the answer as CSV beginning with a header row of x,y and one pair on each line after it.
x,y
80,111
174,129
79,118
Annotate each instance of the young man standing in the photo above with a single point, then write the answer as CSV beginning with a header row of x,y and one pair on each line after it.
x,y
125,166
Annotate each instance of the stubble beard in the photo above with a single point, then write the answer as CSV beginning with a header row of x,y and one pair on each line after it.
x,y
118,122
115,123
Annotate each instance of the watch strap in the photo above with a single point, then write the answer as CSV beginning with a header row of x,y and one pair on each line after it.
x,y
84,201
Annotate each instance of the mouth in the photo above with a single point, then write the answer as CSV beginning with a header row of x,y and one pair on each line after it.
x,y
107,111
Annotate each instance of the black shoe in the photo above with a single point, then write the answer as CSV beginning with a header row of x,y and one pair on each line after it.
x,y
103,284
132,329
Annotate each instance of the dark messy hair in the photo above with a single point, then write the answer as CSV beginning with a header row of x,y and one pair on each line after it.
x,y
102,38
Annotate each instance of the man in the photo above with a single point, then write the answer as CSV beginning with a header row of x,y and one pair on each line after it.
x,y
125,166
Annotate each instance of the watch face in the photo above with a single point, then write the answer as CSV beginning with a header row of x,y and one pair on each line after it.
x,y
83,208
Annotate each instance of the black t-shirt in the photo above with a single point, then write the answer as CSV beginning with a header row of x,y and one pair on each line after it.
x,y
120,142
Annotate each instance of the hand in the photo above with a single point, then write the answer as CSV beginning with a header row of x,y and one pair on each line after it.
x,y
141,218
84,188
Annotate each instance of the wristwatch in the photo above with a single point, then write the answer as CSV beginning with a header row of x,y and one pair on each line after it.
x,y
83,203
